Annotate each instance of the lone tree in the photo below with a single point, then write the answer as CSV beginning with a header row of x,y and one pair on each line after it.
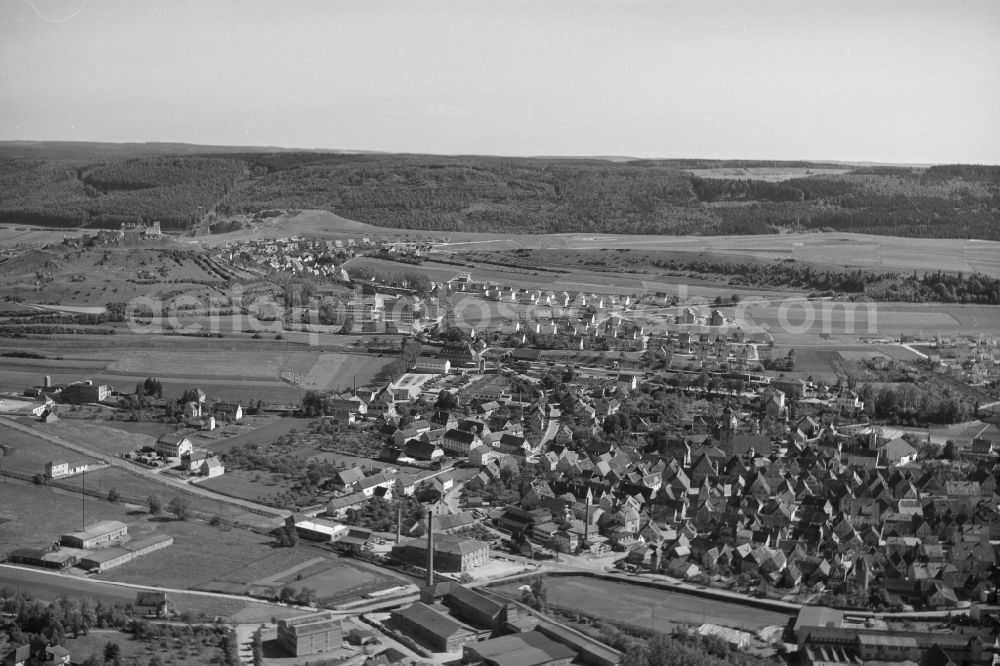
x,y
155,505
114,496
180,507
112,654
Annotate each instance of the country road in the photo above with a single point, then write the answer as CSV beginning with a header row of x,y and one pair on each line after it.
x,y
150,475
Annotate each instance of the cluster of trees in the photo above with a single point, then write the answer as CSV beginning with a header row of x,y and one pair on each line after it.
x,y
499,194
174,190
910,403
40,624
40,329
802,189
474,194
179,506
415,280
380,515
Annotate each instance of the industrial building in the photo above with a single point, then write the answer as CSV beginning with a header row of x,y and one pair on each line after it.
x,y
451,553
57,470
96,535
42,558
107,558
435,628
530,648
310,634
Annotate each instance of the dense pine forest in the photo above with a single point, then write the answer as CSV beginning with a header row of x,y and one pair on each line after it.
x,y
65,188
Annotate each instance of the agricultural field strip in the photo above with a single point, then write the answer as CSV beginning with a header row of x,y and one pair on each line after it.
x,y
156,478
291,571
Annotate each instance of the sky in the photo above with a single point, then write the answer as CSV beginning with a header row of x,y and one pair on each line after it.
x,y
912,81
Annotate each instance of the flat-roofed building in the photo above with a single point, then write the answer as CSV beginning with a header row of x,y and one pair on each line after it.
x,y
57,470
529,648
147,544
96,535
316,529
310,634
105,558
42,558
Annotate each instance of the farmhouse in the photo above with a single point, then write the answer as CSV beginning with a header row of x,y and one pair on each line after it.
x,y
228,411
310,634
96,535
57,654
191,462
57,470
212,467
16,655
88,391
173,445
153,604
384,480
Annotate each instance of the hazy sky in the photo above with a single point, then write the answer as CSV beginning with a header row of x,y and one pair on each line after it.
x,y
909,81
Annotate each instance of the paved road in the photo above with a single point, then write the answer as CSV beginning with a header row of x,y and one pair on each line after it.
x,y
148,474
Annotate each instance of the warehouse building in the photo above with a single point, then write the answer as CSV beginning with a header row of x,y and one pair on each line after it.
x,y
434,628
530,648
96,535
107,558
42,558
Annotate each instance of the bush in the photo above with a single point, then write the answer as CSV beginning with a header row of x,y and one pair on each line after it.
x,y
180,507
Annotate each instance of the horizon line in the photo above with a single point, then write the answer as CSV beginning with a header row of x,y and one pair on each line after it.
x,y
605,157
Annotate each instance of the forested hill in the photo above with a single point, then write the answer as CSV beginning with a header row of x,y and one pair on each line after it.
x,y
77,186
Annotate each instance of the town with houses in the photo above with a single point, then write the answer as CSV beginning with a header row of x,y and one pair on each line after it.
x,y
624,437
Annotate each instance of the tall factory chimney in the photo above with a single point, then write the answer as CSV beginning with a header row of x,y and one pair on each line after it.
x,y
430,549
399,524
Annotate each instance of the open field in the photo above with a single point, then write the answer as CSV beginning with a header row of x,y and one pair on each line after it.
x,y
183,651
847,249
95,436
35,515
333,370
267,430
50,586
791,322
769,174
236,365
233,554
648,607
246,485
28,455
214,366
224,373
237,559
